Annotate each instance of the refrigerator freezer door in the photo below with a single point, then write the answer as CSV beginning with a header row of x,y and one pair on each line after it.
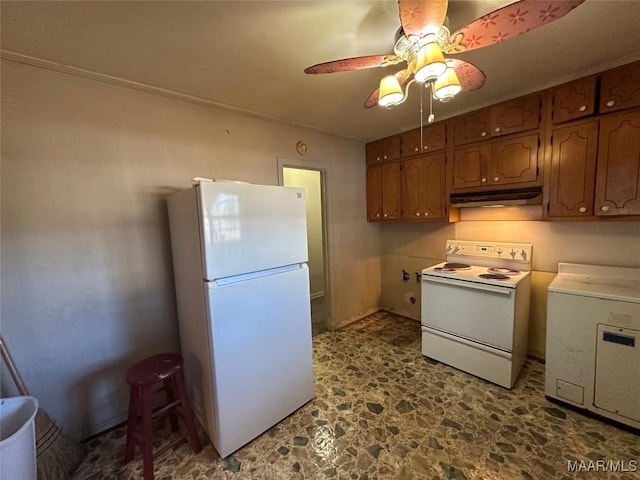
x,y
247,228
262,356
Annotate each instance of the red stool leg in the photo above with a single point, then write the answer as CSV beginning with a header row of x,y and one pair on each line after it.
x,y
147,438
189,421
131,424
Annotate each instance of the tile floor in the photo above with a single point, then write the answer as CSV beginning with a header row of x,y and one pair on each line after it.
x,y
381,410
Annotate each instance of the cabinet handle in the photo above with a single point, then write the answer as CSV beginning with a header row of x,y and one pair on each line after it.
x,y
582,108
496,179
417,214
385,157
582,209
377,159
483,180
377,215
426,214
385,215
416,149
426,147
497,129
611,103
483,134
604,208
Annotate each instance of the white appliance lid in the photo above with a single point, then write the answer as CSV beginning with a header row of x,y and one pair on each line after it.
x,y
611,283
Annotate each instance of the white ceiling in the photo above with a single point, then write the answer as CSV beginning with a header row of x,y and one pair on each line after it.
x,y
250,55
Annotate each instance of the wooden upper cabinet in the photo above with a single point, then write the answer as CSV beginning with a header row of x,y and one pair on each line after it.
x,y
620,88
573,170
374,193
502,162
472,127
471,166
383,192
391,191
618,166
574,100
374,152
383,150
423,181
515,116
514,160
433,139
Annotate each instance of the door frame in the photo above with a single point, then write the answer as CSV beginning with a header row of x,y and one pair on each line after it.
x,y
322,167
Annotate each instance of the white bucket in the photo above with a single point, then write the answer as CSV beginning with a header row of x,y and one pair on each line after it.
x,y
17,438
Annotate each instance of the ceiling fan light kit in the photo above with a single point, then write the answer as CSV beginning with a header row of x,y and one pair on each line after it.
x,y
447,85
390,92
424,38
430,63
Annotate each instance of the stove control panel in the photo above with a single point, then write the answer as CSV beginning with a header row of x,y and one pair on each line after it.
x,y
510,251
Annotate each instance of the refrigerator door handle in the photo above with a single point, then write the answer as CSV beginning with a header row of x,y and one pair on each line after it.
x,y
221,282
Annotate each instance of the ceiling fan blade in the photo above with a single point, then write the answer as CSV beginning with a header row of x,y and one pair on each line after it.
x,y
508,22
422,17
355,63
470,76
402,76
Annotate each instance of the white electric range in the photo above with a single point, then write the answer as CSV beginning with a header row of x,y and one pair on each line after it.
x,y
475,309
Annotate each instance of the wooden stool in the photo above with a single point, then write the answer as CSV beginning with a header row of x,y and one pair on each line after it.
x,y
163,371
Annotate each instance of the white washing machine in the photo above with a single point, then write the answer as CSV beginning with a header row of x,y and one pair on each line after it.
x,y
593,340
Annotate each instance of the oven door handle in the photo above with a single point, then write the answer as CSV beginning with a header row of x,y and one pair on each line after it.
x,y
477,286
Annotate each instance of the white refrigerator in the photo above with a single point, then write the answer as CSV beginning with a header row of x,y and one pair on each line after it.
x,y
242,286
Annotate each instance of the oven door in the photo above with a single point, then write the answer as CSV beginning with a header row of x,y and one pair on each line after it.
x,y
474,311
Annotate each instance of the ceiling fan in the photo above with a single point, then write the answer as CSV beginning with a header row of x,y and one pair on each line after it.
x,y
424,37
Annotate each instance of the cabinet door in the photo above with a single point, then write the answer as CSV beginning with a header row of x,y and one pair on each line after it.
x,y
470,166
515,116
514,160
391,148
427,139
374,193
618,169
573,170
383,150
620,88
423,191
391,191
472,127
374,152
574,100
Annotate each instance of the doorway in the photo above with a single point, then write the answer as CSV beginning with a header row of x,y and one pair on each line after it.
x,y
313,181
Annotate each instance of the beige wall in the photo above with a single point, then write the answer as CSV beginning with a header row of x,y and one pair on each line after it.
x,y
310,180
419,246
87,286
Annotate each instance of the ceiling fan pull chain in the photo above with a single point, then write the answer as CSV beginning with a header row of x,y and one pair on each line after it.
x,y
431,116
421,140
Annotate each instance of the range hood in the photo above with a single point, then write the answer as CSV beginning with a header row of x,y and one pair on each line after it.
x,y
495,198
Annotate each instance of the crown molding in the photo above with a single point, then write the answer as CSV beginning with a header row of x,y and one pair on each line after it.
x,y
143,87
